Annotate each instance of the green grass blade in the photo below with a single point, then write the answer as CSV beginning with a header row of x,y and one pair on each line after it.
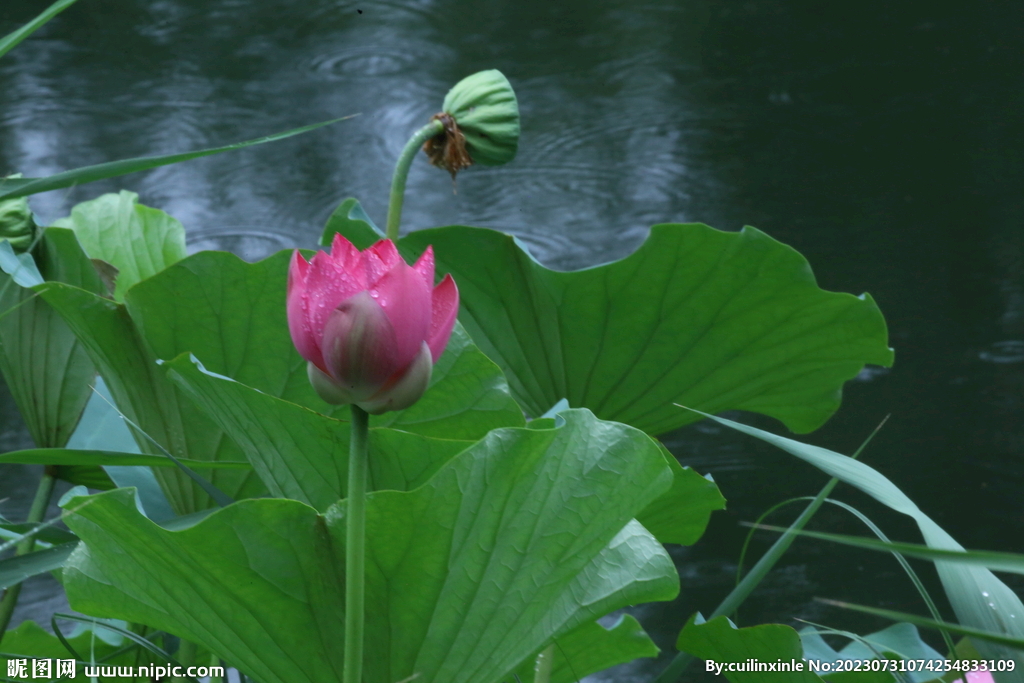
x,y
8,42
73,456
14,570
998,561
20,187
1016,643
45,533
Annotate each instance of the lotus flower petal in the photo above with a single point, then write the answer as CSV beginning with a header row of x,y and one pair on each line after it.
x,y
405,300
305,339
425,266
379,259
444,309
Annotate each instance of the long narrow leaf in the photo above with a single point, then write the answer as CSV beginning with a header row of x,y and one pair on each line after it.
x,y
1017,643
15,37
20,187
36,530
14,570
42,532
998,561
71,456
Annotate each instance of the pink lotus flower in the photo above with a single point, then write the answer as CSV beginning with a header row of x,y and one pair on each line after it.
x,y
370,325
977,677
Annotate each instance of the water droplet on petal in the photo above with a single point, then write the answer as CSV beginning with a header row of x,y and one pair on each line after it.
x,y
984,593
992,605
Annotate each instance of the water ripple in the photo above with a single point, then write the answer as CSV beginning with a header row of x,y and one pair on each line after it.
x,y
363,61
251,245
1004,352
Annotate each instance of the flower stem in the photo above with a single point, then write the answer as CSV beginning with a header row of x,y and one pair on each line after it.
x,y
355,544
402,173
35,514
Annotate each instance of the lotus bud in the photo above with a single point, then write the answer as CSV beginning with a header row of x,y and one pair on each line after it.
x,y
16,222
370,326
481,124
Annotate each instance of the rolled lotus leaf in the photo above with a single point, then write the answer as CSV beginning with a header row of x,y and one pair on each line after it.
x,y
16,222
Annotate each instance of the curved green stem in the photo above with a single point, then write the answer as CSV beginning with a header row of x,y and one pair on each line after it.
x,y
35,514
402,173
355,544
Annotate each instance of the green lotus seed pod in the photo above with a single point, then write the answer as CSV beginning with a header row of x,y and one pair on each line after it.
x,y
16,222
485,108
481,124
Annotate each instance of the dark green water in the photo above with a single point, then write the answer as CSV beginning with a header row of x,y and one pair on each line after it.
x,y
883,140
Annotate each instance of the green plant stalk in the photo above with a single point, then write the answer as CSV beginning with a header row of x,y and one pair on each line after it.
x,y
355,545
14,37
402,173
745,587
35,514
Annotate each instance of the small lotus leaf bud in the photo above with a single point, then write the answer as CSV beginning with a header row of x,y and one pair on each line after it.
x,y
481,124
16,222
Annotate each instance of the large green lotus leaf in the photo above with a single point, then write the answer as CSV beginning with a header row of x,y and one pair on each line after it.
x,y
231,315
977,595
48,371
591,648
299,453
137,240
720,641
681,514
520,539
696,316
145,397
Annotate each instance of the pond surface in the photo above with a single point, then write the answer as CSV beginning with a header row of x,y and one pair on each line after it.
x,y
882,140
